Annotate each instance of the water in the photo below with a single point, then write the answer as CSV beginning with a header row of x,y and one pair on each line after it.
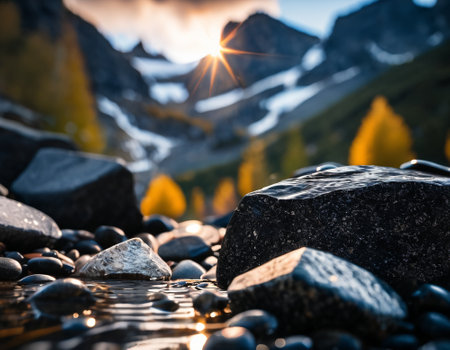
x,y
122,318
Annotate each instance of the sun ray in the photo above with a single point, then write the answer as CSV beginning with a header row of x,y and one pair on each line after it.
x,y
213,75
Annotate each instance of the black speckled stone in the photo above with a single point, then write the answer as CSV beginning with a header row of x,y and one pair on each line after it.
x,y
385,220
314,290
185,248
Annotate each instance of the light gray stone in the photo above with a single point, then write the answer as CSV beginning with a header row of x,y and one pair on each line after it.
x,y
130,259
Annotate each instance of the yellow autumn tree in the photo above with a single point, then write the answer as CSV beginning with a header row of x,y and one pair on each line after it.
x,y
447,147
163,197
295,156
382,139
253,173
198,202
225,199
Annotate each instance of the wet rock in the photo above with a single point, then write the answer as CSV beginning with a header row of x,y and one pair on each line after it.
x,y
36,279
208,233
88,247
297,342
231,338
19,144
16,256
259,322
383,219
436,345
156,224
184,248
401,342
426,167
434,325
73,254
315,168
81,261
107,236
210,274
24,228
79,191
62,297
150,240
208,302
336,340
209,262
317,290
430,298
187,269
3,191
130,259
46,265
10,269
166,305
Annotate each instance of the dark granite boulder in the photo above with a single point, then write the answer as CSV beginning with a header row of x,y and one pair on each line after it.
x,y
80,191
308,290
19,144
24,228
392,222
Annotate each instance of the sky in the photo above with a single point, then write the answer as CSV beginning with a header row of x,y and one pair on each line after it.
x,y
187,30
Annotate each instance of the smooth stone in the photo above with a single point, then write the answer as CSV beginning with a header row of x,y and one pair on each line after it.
x,y
16,256
36,279
19,144
426,167
401,342
436,345
80,190
81,261
3,191
87,247
259,322
336,340
318,290
209,262
46,265
73,254
62,297
157,296
24,228
150,240
107,236
166,305
10,269
231,338
208,233
184,248
383,219
434,325
208,302
210,274
130,259
187,269
156,224
297,342
67,269
430,298
219,221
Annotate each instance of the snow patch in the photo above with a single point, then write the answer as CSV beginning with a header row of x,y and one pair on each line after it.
x,y
313,57
286,78
159,68
169,92
389,58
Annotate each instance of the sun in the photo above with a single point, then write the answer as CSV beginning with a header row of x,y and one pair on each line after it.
x,y
216,51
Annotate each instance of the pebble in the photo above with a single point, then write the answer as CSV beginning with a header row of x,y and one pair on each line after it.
x,y
89,247
434,325
187,269
296,342
231,338
401,342
16,256
335,340
208,302
10,269
73,254
107,236
183,248
210,274
46,265
166,305
36,279
81,261
259,322
157,296
149,239
156,224
427,167
209,262
430,297
436,345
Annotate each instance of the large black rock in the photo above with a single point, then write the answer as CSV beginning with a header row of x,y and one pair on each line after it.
x,y
391,222
309,290
23,228
80,191
18,146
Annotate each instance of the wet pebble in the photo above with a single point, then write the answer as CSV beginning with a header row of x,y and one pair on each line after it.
x,y
209,262
436,345
150,240
210,274
208,302
88,247
10,269
231,338
430,297
46,265
16,256
166,305
336,340
187,269
36,279
434,325
157,296
259,322
183,248
401,342
107,236
426,167
73,254
295,342
156,224
81,261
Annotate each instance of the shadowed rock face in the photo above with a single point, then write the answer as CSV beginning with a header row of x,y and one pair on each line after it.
x,y
308,290
391,222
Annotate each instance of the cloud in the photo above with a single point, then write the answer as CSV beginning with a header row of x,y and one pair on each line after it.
x,y
183,30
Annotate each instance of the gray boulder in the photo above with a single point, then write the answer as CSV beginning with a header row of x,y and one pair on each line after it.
x,y
131,259
24,228
79,190
308,290
19,144
391,222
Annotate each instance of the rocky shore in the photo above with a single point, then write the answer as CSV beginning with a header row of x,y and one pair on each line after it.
x,y
335,258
